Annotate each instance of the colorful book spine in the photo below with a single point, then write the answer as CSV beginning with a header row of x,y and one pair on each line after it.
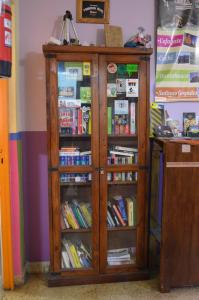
x,y
119,215
132,118
109,113
79,130
90,123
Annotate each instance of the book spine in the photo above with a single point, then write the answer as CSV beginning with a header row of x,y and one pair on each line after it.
x,y
122,208
132,118
109,120
118,215
113,215
90,123
66,245
79,121
75,256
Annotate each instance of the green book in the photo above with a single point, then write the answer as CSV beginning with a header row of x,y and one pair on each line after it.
x,y
109,120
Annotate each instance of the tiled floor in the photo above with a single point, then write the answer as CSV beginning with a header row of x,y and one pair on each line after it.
x,y
36,289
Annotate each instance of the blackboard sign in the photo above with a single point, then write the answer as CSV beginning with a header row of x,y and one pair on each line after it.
x,y
89,11
93,9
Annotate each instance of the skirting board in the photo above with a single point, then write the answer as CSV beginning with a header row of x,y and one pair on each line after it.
x,y
37,267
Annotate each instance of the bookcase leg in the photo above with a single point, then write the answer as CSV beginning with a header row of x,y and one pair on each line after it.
x,y
164,287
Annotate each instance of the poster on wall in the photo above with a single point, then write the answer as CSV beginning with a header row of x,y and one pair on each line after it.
x,y
177,61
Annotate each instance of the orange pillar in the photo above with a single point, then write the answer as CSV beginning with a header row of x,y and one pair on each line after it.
x,y
5,204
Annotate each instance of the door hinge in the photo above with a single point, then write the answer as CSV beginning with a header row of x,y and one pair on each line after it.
x,y
144,58
55,169
55,273
50,55
144,168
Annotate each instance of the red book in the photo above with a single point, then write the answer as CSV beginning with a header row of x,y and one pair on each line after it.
x,y
118,214
79,121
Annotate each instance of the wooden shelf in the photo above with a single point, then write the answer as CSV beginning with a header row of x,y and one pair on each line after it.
x,y
123,228
75,183
81,230
86,136
122,136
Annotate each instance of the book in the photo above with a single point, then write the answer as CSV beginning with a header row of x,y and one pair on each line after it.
x,y
132,87
132,119
80,214
85,210
110,220
113,214
131,211
66,260
120,202
75,256
70,217
109,113
121,107
119,215
67,248
127,149
85,94
121,85
121,256
122,153
111,90
85,119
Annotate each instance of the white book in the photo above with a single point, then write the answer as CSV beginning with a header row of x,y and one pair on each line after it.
x,y
121,153
66,259
132,119
126,149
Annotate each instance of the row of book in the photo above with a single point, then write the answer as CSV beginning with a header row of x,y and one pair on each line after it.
x,y
122,155
121,256
75,255
72,156
122,121
121,211
75,120
122,176
75,177
76,215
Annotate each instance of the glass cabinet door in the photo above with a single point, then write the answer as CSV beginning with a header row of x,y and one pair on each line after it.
x,y
76,154
122,154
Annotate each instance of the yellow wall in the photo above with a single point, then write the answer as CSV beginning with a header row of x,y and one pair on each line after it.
x,y
5,206
13,82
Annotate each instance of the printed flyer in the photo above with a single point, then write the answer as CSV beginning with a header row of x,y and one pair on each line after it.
x,y
177,62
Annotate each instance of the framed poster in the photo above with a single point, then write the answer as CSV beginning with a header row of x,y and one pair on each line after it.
x,y
89,11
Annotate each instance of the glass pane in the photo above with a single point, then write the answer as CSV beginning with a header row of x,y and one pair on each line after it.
x,y
76,251
121,219
74,107
76,220
122,98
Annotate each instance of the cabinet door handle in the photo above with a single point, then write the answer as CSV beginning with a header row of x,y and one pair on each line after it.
x,y
101,171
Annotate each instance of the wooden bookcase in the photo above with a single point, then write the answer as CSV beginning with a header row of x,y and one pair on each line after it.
x,y
97,118
174,212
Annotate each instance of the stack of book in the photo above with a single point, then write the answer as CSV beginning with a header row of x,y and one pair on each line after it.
x,y
76,215
75,255
121,211
71,156
74,118
122,155
121,256
121,118
122,176
75,177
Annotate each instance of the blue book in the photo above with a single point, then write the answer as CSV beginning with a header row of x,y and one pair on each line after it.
x,y
122,207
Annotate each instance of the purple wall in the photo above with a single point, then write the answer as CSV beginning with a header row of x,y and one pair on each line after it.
x,y
38,20
35,188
